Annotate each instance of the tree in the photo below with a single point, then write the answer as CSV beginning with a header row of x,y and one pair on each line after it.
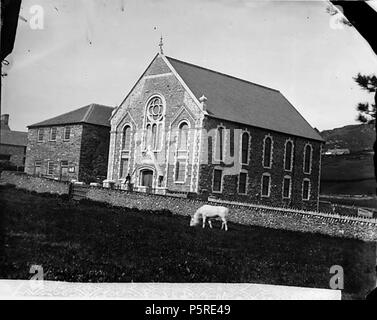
x,y
367,111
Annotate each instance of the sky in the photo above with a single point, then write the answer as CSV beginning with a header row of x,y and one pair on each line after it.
x,y
93,51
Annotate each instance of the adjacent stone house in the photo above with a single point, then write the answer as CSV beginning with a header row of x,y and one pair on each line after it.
x,y
71,146
12,146
184,128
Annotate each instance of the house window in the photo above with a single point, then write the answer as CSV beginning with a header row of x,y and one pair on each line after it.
x,y
126,139
154,123
67,133
71,169
306,189
50,168
288,156
217,180
287,184
40,134
53,134
242,183
5,157
123,168
64,163
37,167
266,185
245,148
220,137
308,159
182,136
180,170
267,152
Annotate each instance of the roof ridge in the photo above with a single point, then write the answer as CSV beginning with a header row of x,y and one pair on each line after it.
x,y
223,74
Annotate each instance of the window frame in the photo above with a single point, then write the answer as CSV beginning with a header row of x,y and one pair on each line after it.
x,y
48,168
290,187
266,174
248,148
221,180
65,133
38,134
56,133
309,189
160,125
127,126
285,155
246,182
271,151
310,159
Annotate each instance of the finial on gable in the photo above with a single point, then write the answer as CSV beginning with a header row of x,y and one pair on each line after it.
x,y
203,99
161,44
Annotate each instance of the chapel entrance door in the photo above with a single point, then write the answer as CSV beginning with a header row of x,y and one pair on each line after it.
x,y
147,179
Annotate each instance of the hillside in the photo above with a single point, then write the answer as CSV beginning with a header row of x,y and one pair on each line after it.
x,y
356,138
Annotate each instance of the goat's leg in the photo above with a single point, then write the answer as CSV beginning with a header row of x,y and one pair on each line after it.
x,y
204,221
210,223
226,226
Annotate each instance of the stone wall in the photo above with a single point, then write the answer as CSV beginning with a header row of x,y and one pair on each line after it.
x,y
55,151
17,154
276,218
94,153
41,185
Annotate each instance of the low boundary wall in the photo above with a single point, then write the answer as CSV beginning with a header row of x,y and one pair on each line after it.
x,y
247,214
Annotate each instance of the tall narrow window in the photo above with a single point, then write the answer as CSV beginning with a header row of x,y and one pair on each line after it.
x,y
288,157
242,183
266,185
220,139
267,152
123,168
67,133
53,134
126,139
154,123
217,180
37,168
307,158
182,136
287,187
40,134
245,148
180,170
306,189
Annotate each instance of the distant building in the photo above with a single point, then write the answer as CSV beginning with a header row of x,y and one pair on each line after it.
x,y
184,128
335,152
12,145
73,145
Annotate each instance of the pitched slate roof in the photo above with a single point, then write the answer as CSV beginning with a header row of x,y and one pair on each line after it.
x,y
93,114
15,138
241,101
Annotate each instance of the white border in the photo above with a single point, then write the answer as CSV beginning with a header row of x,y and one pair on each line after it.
x,y
248,146
285,154
311,158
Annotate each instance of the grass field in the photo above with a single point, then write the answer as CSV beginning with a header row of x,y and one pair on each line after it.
x,y
90,242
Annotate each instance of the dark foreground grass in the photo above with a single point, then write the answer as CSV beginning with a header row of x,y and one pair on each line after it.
x,y
90,242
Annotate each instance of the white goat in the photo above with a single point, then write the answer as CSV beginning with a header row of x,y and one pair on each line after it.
x,y
208,211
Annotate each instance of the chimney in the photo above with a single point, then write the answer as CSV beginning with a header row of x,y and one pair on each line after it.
x,y
5,121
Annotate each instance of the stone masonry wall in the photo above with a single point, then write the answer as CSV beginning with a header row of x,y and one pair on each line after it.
x,y
266,217
255,169
56,151
41,185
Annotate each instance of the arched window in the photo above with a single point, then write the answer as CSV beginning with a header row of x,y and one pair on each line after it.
x,y
126,138
154,123
182,136
267,152
288,157
220,142
308,159
245,148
